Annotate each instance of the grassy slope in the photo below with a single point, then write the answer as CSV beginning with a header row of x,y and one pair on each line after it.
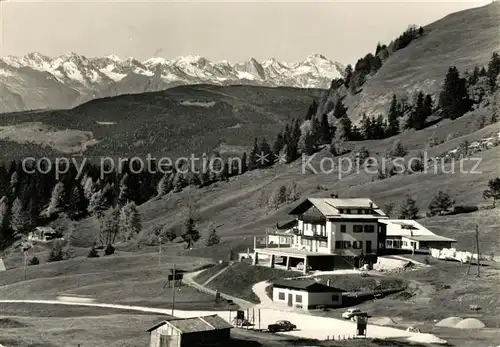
x,y
237,204
131,279
159,124
240,277
464,39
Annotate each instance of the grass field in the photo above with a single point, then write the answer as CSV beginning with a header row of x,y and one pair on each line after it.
x,y
108,331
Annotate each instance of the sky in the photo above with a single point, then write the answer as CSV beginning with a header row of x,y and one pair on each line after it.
x,y
225,30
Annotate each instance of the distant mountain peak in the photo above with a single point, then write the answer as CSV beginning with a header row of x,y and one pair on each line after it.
x,y
111,75
114,57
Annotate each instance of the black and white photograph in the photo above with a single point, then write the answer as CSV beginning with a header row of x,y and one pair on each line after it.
x,y
242,173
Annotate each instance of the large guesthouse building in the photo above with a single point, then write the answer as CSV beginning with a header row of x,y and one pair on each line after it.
x,y
329,233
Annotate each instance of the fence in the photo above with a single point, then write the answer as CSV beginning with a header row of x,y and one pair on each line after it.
x,y
461,256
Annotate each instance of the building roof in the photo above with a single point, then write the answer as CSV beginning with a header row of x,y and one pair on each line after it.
x,y
429,238
412,230
307,285
45,229
330,207
195,324
287,225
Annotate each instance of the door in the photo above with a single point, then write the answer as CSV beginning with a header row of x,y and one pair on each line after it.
x,y
290,300
368,247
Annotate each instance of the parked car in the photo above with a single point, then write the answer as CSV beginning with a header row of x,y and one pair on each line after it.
x,y
281,325
352,312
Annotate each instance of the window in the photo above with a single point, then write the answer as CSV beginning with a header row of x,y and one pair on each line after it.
x,y
281,296
348,211
165,340
357,229
313,228
341,211
357,245
335,297
323,244
369,228
360,211
342,244
343,228
298,299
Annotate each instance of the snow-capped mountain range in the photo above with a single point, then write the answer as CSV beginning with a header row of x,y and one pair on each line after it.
x,y
36,81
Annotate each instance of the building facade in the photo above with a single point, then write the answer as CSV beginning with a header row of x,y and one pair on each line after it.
x,y
305,294
330,233
410,235
347,227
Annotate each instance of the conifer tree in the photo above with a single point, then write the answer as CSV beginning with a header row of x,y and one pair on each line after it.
x,y
77,204
164,185
278,144
325,129
348,75
493,191
339,111
5,231
111,228
252,160
19,217
265,154
244,163
213,238
441,202
97,204
474,76
408,209
130,221
393,117
454,99
57,199
344,131
493,70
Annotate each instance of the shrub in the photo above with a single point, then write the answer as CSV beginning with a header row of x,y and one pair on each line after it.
x,y
450,136
93,253
464,209
480,122
396,150
56,254
34,261
109,249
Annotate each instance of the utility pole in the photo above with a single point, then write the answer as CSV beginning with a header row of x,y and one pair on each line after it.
x,y
173,290
478,254
25,263
470,261
159,252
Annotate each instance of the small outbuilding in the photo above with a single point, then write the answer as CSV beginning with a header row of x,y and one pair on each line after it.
x,y
43,234
191,332
306,294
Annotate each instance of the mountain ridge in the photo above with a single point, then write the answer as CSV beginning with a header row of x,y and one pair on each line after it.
x,y
76,78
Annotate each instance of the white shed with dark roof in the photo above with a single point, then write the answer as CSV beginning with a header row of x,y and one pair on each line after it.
x,y
191,332
306,294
